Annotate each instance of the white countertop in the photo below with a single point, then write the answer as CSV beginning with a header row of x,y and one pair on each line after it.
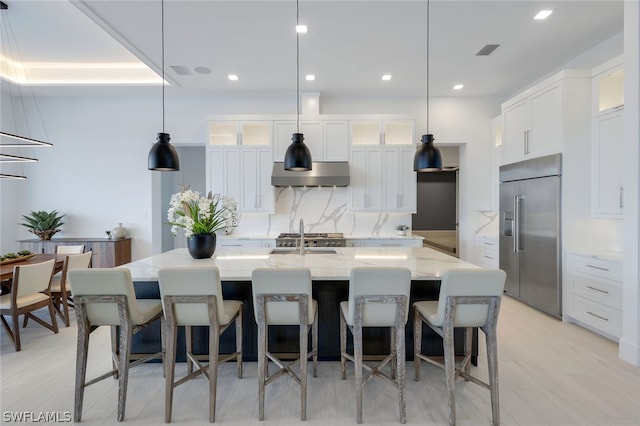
x,y
236,263
409,236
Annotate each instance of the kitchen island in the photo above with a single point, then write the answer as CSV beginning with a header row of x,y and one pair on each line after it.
x,y
330,274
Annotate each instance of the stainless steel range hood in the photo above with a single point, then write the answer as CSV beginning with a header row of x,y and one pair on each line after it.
x,y
330,173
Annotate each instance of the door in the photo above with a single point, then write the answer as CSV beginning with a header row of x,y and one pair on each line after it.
x,y
509,259
539,244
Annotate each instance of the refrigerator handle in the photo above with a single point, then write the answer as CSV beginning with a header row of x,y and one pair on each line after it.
x,y
516,223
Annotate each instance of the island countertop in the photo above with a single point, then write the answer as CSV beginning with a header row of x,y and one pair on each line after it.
x,y
236,263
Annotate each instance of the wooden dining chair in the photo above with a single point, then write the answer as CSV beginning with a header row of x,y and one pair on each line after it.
x,y
70,249
60,289
30,291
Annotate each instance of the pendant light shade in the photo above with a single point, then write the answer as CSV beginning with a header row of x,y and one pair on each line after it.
x,y
297,158
163,156
427,157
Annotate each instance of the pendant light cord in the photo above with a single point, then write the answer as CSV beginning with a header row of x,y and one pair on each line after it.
x,y
162,60
297,67
428,28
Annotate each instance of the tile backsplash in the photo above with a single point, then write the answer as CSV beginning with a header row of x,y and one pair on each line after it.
x,y
323,210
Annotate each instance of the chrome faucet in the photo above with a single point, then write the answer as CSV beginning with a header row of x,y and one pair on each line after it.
x,y
301,237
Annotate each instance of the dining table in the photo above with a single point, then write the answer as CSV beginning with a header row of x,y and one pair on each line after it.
x,y
6,270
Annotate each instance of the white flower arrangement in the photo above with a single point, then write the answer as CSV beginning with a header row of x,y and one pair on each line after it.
x,y
198,215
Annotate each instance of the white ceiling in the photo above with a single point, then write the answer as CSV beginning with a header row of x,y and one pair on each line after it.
x,y
350,44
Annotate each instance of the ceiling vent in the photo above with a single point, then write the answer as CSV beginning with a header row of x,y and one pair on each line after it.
x,y
180,69
487,49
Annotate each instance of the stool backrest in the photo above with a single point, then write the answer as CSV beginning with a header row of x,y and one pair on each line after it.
x,y
32,279
105,282
469,282
190,281
374,281
75,249
282,281
75,261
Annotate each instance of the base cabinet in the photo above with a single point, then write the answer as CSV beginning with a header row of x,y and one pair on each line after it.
x,y
106,253
594,296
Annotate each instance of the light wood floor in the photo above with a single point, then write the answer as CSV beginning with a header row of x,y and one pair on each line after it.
x,y
551,373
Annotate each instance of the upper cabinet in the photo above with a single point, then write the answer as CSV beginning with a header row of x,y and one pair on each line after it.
x,y
536,123
607,137
236,132
328,140
243,173
382,179
384,131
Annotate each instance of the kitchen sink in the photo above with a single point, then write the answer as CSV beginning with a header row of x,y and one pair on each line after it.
x,y
314,250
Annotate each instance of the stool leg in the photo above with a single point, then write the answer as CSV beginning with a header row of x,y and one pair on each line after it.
x,y
401,373
239,342
213,371
392,365
343,346
304,353
468,343
314,344
417,342
357,355
262,361
450,372
125,354
492,359
170,369
188,340
81,365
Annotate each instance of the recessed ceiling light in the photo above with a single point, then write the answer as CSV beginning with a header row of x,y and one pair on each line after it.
x,y
233,77
310,77
458,86
301,28
386,77
543,14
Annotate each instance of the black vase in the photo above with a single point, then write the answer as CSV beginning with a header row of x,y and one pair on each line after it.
x,y
201,246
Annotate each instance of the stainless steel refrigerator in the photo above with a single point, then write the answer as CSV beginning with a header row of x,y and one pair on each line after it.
x,y
530,249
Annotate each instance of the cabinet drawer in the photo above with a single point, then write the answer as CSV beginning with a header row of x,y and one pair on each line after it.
x,y
600,317
488,257
597,267
597,290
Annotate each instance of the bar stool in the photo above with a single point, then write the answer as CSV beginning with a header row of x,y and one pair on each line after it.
x,y
193,297
283,297
105,296
378,297
468,298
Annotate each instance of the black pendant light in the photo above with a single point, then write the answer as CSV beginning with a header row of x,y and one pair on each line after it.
x,y
163,157
427,157
298,157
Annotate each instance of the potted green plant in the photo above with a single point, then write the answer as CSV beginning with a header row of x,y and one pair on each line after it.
x,y
43,224
402,230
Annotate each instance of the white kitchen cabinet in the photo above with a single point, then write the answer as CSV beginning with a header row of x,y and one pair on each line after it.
x,y
487,252
243,173
594,296
383,131
365,188
607,139
607,190
314,137
240,132
382,179
399,180
536,122
336,140
384,242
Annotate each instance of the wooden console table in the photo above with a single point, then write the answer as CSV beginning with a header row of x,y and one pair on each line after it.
x,y
106,253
